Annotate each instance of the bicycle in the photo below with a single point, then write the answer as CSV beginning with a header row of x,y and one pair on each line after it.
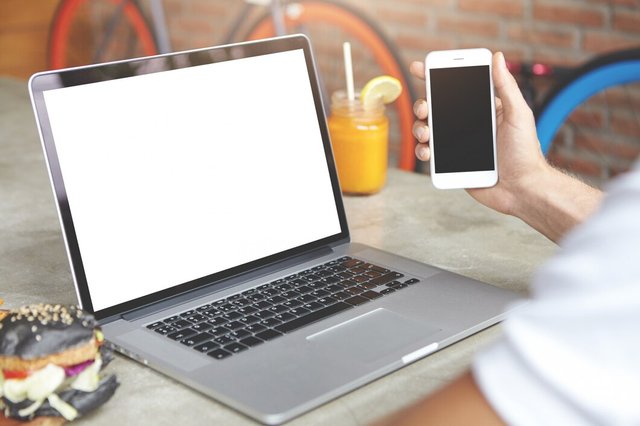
x,y
608,77
125,31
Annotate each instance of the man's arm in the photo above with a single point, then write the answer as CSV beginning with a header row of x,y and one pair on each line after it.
x,y
529,188
458,403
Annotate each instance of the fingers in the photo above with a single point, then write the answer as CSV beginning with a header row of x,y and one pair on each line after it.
x,y
421,132
417,69
506,86
423,152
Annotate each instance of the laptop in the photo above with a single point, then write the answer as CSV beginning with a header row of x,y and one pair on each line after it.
x,y
205,228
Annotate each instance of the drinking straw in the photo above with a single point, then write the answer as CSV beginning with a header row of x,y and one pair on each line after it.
x,y
348,70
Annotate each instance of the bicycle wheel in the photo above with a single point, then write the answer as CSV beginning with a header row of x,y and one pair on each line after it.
x,y
328,24
615,70
88,31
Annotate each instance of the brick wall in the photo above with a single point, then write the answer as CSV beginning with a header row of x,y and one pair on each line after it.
x,y
604,136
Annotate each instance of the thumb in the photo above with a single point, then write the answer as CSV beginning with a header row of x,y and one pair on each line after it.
x,y
506,87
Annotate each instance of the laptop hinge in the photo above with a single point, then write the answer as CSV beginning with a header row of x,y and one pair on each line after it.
x,y
223,284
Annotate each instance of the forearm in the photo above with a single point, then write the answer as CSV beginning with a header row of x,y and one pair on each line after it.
x,y
459,403
554,203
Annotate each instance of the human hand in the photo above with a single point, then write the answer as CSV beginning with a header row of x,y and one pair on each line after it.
x,y
520,159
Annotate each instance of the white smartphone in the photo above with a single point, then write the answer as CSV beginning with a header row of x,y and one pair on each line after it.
x,y
462,118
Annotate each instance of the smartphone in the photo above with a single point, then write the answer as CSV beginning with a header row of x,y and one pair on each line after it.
x,y
462,118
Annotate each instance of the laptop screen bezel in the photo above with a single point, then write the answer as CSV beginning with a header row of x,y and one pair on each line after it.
x,y
50,80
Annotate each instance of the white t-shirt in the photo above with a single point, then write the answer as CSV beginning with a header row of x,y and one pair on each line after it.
x,y
572,355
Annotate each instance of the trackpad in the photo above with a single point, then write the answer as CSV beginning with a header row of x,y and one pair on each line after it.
x,y
373,335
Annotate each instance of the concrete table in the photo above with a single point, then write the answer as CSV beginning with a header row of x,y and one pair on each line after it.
x,y
445,228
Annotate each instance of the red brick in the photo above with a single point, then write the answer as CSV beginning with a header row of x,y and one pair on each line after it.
x,y
626,21
575,165
604,146
494,7
425,43
550,38
626,123
601,41
581,15
591,118
415,18
461,25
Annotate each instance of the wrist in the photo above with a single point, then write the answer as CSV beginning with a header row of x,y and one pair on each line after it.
x,y
553,202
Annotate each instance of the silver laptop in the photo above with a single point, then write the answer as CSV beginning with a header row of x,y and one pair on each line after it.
x,y
205,229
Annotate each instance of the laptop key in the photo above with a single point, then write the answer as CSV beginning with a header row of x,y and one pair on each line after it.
x,y
172,319
320,293
239,334
293,303
284,317
155,325
165,330
249,319
234,325
255,328
313,306
261,305
224,340
182,334
264,314
204,326
387,291
219,354
341,295
268,335
247,310
196,318
230,316
276,299
327,301
291,294
313,317
218,331
204,307
307,298
412,281
371,294
278,309
206,346
356,300
304,289
251,341
198,338
387,277
299,311
354,290
216,322
181,324
235,348
270,322
188,313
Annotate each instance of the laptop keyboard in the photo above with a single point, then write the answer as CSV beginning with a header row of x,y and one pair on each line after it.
x,y
244,320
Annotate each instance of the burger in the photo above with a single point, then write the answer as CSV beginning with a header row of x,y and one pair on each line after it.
x,y
51,357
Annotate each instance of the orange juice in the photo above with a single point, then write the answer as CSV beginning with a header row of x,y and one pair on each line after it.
x,y
360,139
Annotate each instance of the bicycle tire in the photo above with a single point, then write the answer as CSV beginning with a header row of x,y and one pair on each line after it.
x,y
68,11
599,74
362,28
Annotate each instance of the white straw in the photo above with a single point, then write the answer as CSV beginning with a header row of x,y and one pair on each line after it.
x,y
348,70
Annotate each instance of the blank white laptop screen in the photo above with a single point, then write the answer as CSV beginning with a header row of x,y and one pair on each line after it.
x,y
177,175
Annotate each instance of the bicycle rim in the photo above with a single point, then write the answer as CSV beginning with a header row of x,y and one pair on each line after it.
x,y
88,31
599,74
366,36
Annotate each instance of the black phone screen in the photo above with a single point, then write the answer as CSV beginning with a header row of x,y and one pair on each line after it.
x,y
461,119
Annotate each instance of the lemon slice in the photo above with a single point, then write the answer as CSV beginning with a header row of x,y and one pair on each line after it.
x,y
384,87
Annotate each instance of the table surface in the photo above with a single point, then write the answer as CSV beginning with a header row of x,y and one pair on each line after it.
x,y
447,229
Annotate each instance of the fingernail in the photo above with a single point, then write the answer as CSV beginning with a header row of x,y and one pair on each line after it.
x,y
420,133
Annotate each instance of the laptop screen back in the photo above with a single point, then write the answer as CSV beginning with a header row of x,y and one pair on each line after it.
x,y
176,175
